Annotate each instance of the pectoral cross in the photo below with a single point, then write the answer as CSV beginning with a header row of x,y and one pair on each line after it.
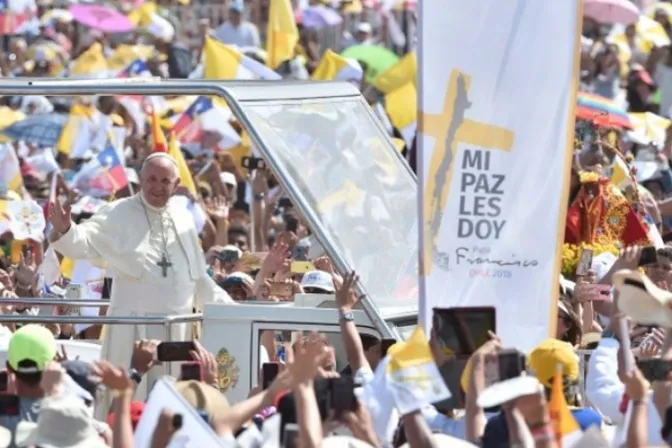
x,y
164,264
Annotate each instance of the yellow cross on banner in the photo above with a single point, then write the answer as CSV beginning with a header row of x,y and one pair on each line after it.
x,y
449,129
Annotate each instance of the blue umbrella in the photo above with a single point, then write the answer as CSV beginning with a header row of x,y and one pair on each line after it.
x,y
39,129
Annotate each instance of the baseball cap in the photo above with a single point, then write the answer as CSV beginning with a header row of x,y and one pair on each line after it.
x,y
228,178
546,357
33,343
203,397
318,279
237,6
364,27
81,372
136,412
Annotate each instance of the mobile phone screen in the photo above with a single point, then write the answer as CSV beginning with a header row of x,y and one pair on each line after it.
x,y
269,371
9,405
461,331
511,364
191,371
228,256
291,437
175,351
649,256
301,267
585,262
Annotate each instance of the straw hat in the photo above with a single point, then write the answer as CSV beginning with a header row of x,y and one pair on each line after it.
x,y
643,301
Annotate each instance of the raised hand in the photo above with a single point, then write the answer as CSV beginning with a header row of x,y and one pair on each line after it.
x,y
111,377
59,216
219,208
306,358
276,258
26,271
346,297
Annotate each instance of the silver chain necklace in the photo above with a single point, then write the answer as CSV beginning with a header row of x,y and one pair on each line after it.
x,y
165,263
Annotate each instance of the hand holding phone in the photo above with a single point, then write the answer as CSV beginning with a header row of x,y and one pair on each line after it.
x,y
585,262
191,370
588,292
342,394
175,351
269,370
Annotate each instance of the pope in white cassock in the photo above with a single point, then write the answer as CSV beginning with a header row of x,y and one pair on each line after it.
x,y
152,247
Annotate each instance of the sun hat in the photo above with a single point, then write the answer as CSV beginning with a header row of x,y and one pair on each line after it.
x,y
318,279
640,299
62,421
203,397
33,343
545,358
507,390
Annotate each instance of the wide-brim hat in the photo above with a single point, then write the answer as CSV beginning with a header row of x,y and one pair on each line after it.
x,y
640,299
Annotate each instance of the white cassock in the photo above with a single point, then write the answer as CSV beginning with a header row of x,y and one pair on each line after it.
x,y
132,236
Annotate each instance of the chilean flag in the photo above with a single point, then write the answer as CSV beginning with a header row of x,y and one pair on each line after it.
x,y
109,161
201,105
134,69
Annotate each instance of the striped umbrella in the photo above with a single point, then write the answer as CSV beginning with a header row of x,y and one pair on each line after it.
x,y
601,111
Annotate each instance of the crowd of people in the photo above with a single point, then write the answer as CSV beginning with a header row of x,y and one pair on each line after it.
x,y
158,206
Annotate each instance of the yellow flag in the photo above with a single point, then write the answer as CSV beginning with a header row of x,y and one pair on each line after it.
x,y
221,61
142,16
67,266
125,54
282,35
90,62
400,106
185,175
329,66
78,113
398,75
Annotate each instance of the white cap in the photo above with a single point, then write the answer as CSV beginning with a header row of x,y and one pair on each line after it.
x,y
161,28
228,178
364,27
318,279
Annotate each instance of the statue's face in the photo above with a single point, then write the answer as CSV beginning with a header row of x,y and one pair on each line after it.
x,y
158,181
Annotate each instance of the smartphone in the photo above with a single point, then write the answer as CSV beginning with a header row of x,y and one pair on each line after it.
x,y
385,344
228,256
191,370
4,379
254,163
301,267
291,223
175,351
9,405
585,262
342,394
596,293
291,436
655,369
269,370
462,330
649,256
281,289
511,364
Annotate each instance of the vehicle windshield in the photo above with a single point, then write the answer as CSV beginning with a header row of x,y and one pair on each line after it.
x,y
341,164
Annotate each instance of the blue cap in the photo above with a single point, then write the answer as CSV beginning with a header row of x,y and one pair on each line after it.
x,y
237,6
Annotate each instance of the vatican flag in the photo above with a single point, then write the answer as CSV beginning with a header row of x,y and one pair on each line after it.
x,y
226,62
495,145
334,67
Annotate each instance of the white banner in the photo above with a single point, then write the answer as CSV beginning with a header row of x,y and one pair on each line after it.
x,y
497,96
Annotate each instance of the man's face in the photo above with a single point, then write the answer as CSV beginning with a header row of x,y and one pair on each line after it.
x,y
235,16
158,181
361,36
239,240
238,218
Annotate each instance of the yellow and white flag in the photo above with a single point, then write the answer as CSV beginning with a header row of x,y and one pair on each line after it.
x,y
334,67
24,219
226,62
398,75
90,64
405,381
486,143
403,117
10,170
